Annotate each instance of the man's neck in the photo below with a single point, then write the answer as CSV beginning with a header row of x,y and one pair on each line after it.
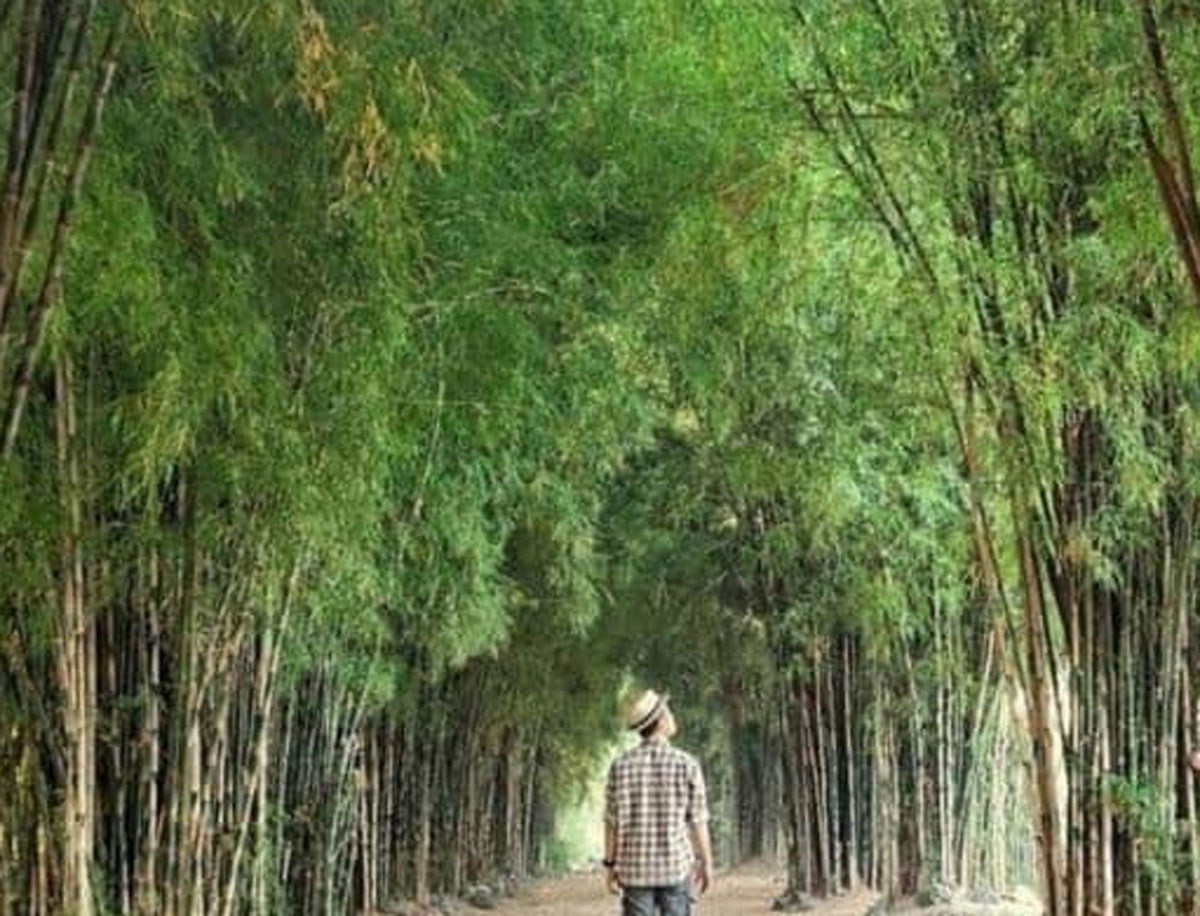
x,y
657,738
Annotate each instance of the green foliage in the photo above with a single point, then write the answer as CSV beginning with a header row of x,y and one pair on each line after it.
x,y
545,342
1144,814
382,288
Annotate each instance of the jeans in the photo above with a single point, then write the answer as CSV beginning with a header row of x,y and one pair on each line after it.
x,y
649,901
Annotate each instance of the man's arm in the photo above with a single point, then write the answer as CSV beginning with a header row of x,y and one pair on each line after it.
x,y
702,846
610,859
697,816
611,836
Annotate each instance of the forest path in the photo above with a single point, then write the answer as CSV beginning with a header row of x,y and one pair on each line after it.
x,y
747,891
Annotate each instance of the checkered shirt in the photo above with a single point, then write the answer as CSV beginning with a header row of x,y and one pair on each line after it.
x,y
654,792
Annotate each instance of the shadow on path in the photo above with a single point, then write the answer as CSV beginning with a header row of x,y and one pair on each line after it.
x,y
743,892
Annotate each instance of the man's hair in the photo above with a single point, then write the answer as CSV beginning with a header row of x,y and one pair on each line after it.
x,y
648,730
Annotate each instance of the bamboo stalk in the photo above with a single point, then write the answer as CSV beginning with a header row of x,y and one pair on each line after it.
x,y
51,287
18,132
264,696
14,261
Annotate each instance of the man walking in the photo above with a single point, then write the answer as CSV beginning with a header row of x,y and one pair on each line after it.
x,y
656,818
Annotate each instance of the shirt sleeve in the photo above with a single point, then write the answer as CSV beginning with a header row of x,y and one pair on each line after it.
x,y
610,798
697,807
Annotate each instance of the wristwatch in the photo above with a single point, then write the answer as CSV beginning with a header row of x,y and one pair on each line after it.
x,y
609,863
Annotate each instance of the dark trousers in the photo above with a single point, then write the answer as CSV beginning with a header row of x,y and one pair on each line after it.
x,y
650,901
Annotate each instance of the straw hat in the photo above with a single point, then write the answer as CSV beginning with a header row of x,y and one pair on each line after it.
x,y
642,709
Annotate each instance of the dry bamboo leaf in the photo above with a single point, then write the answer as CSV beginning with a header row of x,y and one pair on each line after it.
x,y
315,72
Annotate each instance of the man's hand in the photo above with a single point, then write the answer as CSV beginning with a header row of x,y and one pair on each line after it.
x,y
1194,759
611,879
703,875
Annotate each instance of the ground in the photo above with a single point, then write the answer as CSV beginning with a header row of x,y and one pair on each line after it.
x,y
745,892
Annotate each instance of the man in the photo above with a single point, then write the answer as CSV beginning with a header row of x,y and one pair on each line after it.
x,y
656,818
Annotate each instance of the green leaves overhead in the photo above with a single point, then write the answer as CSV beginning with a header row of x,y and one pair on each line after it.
x,y
520,344
383,289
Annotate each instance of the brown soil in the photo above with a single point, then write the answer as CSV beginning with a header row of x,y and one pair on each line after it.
x,y
744,892
971,909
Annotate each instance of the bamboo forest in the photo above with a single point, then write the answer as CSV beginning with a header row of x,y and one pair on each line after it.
x,y
389,387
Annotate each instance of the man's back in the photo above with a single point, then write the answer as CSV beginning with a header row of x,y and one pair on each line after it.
x,y
654,793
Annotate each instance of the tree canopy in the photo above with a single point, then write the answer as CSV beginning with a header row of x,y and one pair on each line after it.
x,y
386,386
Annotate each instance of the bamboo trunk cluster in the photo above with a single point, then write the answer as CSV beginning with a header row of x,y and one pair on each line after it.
x,y
162,760
1097,644
900,785
197,781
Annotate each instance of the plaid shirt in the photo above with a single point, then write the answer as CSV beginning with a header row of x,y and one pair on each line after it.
x,y
654,793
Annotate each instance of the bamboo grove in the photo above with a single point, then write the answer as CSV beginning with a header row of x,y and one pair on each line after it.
x,y
383,385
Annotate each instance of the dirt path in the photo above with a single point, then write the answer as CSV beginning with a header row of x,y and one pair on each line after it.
x,y
746,892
